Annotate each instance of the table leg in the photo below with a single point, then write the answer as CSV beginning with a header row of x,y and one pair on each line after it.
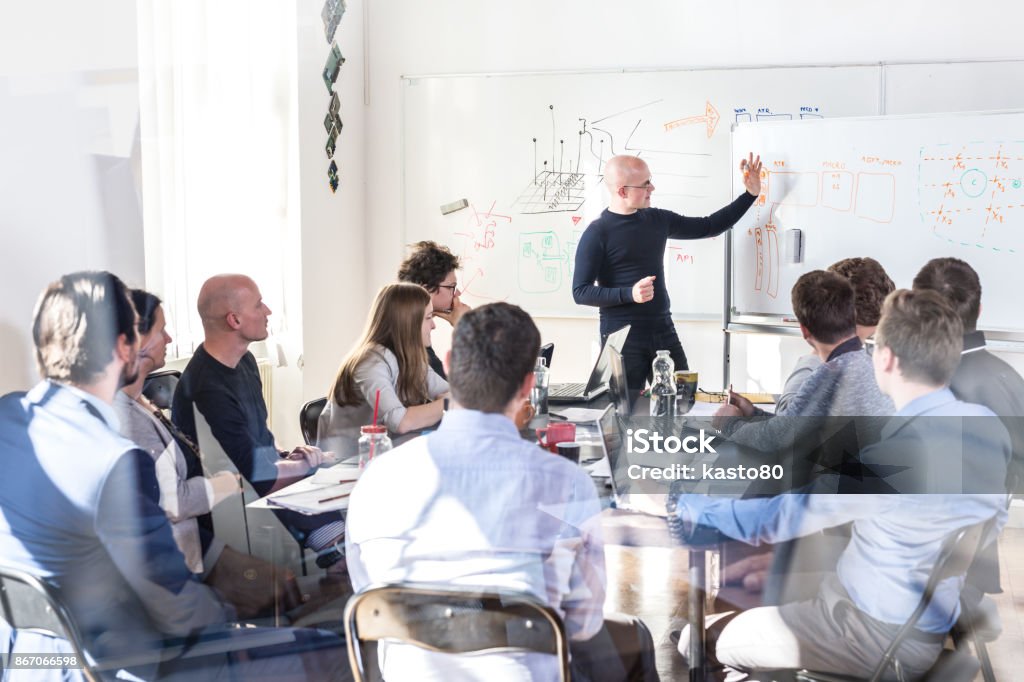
x,y
696,614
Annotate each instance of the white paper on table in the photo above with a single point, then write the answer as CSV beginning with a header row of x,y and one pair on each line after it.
x,y
701,409
315,500
579,414
339,473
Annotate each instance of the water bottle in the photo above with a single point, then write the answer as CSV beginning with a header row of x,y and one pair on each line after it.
x,y
539,394
663,386
373,442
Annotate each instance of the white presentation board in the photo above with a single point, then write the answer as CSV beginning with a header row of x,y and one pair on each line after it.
x,y
901,189
526,152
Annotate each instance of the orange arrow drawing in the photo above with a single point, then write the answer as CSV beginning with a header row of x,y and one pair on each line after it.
x,y
710,118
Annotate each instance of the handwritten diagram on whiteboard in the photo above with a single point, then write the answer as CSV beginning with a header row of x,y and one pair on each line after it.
x,y
902,190
527,152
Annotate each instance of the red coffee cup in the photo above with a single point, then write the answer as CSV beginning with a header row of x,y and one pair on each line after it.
x,y
554,433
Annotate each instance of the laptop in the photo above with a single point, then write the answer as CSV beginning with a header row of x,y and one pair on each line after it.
x,y
547,351
611,441
618,387
598,382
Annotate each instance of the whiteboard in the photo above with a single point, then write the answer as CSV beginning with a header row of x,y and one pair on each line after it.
x,y
901,189
526,152
956,86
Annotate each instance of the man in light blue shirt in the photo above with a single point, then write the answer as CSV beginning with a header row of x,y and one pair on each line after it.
x,y
475,505
934,444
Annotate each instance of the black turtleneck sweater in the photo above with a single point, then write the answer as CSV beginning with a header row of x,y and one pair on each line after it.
x,y
616,251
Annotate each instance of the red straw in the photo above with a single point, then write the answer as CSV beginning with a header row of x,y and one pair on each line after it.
x,y
376,405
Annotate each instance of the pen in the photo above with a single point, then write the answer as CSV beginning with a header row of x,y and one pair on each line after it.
x,y
332,499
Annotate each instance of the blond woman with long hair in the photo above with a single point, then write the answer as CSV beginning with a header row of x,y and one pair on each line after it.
x,y
391,357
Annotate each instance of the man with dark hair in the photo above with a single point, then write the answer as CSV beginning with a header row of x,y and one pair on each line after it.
x,y
949,471
223,382
474,504
871,285
844,384
433,267
79,508
981,377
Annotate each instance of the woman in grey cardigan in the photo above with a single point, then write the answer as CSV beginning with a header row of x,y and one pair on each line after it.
x,y
182,498
390,360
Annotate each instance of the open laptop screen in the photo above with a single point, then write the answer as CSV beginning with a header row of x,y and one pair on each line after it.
x,y
602,368
618,387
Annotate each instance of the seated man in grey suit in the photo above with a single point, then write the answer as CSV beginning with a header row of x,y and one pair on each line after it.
x,y
79,507
981,377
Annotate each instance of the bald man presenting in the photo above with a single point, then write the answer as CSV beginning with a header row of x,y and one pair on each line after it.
x,y
620,260
223,382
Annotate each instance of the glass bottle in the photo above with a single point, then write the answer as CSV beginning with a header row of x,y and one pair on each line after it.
x,y
663,385
539,394
373,441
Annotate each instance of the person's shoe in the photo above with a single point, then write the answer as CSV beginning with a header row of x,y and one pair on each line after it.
x,y
332,554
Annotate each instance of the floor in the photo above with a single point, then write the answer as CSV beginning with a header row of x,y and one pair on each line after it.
x,y
647,577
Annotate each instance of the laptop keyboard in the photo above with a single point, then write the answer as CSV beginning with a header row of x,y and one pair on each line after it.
x,y
560,390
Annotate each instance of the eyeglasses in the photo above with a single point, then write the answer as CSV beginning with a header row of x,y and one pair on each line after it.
x,y
451,287
647,185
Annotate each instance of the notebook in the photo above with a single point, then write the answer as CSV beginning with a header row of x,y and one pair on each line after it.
x,y
598,382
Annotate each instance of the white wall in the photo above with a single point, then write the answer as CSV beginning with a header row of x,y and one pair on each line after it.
x,y
68,113
334,264
411,37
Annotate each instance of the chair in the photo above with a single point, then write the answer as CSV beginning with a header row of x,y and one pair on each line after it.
x,y
159,387
439,619
309,416
30,603
979,624
954,558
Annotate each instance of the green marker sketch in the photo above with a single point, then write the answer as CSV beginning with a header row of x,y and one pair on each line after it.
x,y
539,266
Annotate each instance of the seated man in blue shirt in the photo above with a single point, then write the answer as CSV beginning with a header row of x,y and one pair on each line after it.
x,y
930,448
473,504
79,507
